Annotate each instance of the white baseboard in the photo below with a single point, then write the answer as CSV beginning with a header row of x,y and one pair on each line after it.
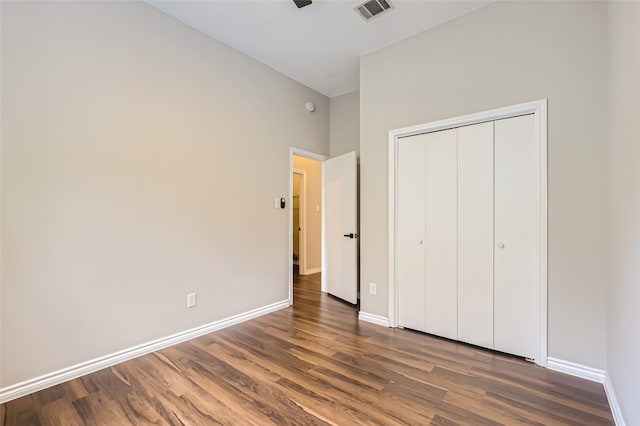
x,y
613,401
375,319
578,370
593,374
311,271
57,377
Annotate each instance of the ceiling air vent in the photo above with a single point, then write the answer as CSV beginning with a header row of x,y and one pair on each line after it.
x,y
372,8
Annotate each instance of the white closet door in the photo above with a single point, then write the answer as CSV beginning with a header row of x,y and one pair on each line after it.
x,y
516,239
410,232
441,234
475,234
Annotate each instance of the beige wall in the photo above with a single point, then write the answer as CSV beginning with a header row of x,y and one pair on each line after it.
x,y
121,186
313,205
504,54
344,123
623,338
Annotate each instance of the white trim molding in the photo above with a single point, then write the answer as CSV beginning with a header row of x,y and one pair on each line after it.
x,y
578,370
372,318
539,109
593,374
57,377
613,401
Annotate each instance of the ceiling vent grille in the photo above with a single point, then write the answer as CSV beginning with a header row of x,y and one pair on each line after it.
x,y
372,8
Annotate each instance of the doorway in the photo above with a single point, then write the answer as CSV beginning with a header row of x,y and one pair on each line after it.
x,y
329,231
306,218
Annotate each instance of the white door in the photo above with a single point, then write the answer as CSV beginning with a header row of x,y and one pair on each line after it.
x,y
341,227
516,236
441,234
411,235
427,245
475,234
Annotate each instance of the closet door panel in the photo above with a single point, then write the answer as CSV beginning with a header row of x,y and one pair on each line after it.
x,y
441,233
516,239
475,234
411,232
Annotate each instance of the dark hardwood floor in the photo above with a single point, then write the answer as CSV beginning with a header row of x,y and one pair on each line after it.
x,y
315,363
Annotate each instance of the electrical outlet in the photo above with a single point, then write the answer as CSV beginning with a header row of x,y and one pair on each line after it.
x,y
372,288
191,300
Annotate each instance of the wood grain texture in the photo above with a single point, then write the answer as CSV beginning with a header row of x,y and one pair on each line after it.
x,y
316,364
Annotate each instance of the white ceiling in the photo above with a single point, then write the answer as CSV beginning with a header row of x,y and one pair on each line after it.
x,y
318,45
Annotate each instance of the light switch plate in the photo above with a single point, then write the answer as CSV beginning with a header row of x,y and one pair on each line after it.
x,y
191,300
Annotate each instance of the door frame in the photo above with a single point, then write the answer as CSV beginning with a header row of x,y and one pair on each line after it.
x,y
321,158
539,109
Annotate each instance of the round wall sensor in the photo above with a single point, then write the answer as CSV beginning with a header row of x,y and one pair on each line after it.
x,y
310,107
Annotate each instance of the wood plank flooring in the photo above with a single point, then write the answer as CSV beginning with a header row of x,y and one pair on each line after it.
x,y
316,364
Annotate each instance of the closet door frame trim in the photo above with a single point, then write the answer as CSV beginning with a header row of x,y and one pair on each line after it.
x,y
539,109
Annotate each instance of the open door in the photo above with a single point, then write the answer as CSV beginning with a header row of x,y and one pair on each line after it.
x,y
341,227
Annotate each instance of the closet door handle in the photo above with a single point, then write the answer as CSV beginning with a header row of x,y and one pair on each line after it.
x,y
420,242
501,245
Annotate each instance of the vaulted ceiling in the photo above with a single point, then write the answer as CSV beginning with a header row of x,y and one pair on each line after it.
x,y
318,45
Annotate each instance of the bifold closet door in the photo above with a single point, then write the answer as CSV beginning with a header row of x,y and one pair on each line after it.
x,y
410,232
516,238
475,234
441,233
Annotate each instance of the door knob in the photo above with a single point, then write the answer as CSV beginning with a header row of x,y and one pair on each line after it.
x,y
501,245
351,235
420,242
